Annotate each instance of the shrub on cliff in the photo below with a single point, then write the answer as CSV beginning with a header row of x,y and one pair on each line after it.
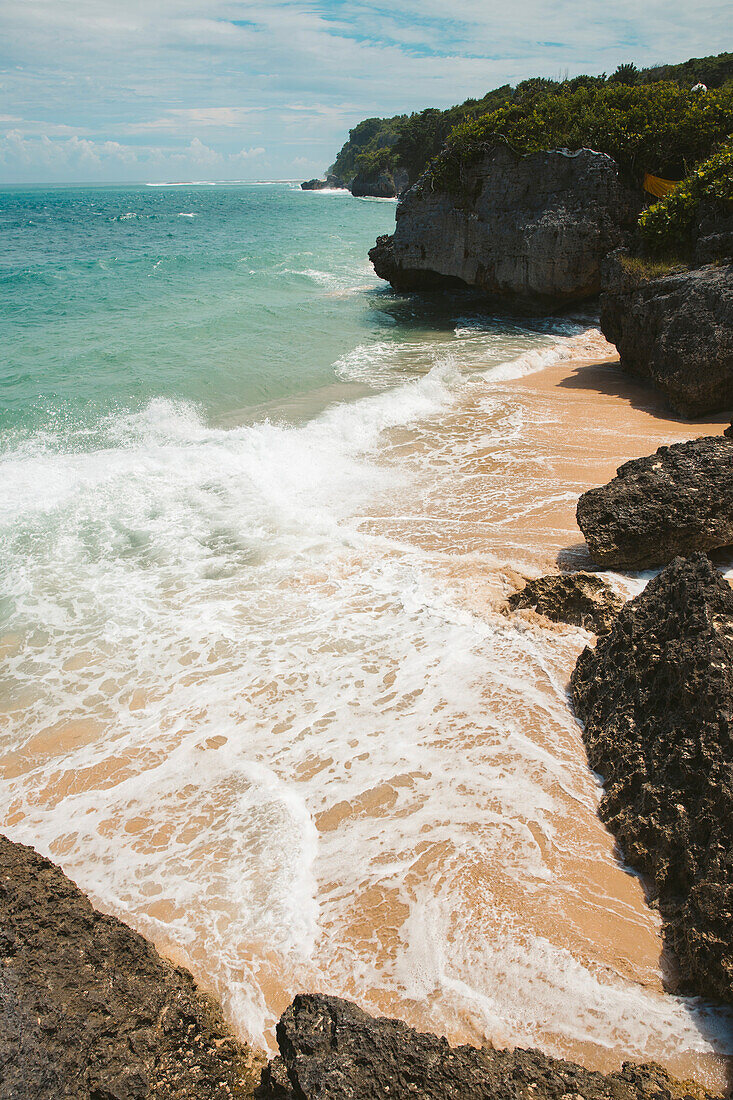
x,y
668,227
410,142
659,128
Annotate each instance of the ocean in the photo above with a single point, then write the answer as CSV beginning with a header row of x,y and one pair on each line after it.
x,y
259,695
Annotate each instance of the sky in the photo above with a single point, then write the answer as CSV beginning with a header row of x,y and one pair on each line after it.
x,y
170,90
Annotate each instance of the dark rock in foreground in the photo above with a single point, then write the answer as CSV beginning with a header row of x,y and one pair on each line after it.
x,y
581,599
90,1011
332,1050
675,501
531,229
656,697
676,331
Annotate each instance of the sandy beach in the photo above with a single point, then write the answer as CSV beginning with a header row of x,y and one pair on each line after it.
x,y
505,509
394,804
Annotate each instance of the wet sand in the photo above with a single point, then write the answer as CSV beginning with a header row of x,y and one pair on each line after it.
x,y
515,496
362,775
505,510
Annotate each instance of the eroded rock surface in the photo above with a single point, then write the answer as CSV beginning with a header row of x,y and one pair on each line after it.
x,y
676,331
382,184
675,501
531,229
581,599
90,1011
656,699
332,1050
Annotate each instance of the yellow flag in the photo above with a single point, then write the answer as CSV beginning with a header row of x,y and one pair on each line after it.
x,y
658,187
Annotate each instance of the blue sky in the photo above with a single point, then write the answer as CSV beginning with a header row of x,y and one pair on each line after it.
x,y
113,90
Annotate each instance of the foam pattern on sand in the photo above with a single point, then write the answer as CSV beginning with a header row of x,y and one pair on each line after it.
x,y
249,709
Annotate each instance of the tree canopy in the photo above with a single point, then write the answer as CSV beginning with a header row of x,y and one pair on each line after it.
x,y
541,109
659,128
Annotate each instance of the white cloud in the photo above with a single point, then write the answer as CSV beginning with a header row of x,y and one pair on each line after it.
x,y
75,157
233,75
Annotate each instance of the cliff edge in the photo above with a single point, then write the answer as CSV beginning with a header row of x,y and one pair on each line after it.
x,y
529,229
676,330
332,1050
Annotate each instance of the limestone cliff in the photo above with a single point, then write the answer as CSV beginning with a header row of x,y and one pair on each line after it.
x,y
330,183
384,184
530,229
675,330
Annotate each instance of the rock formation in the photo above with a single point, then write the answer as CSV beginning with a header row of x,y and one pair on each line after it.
x,y
581,599
713,232
382,184
90,1011
532,229
675,501
656,699
332,1050
330,183
675,330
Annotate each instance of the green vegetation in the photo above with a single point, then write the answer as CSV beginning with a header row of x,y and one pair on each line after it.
x,y
542,111
643,268
659,128
668,227
407,141
714,71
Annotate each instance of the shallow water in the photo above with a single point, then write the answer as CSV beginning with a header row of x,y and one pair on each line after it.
x,y
260,696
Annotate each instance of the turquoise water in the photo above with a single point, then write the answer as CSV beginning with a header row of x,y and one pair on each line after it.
x,y
242,701
225,296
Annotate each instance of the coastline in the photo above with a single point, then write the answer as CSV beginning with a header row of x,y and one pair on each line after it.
x,y
586,418
482,533
547,908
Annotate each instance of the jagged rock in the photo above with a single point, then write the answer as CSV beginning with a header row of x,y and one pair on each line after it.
x,y
330,183
381,185
656,700
531,229
675,330
332,1050
713,232
90,1011
675,501
581,599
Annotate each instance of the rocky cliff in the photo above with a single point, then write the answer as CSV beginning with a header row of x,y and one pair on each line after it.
x,y
330,183
531,229
384,184
332,1050
90,1011
675,330
675,501
656,698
